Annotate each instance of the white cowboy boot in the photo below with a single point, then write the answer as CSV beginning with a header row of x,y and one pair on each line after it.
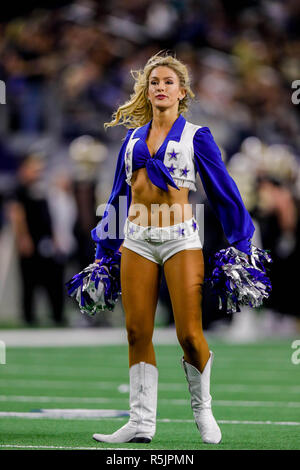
x,y
143,401
199,384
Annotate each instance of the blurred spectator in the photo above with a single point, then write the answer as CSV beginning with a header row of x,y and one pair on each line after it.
x,y
39,256
86,153
63,212
72,62
279,220
268,178
67,68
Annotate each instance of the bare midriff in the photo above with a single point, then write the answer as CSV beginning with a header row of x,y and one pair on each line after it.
x,y
157,208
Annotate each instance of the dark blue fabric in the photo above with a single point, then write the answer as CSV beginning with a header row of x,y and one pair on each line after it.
x,y
222,192
158,173
220,188
112,211
156,169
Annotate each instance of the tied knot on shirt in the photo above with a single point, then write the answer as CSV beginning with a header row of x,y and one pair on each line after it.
x,y
159,174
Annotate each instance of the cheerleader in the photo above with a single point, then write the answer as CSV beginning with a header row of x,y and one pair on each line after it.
x,y
156,168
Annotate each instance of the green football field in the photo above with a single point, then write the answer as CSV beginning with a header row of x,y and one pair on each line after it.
x,y
255,389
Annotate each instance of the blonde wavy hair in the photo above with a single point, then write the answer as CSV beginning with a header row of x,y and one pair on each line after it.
x,y
137,111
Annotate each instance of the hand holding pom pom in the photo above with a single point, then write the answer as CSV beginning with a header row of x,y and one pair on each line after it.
x,y
239,279
97,287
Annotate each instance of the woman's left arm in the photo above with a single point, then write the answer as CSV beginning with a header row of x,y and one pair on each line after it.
x,y
222,191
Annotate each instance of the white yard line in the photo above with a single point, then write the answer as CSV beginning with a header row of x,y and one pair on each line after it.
x,y
163,401
17,446
222,421
64,414
51,337
114,370
168,387
37,415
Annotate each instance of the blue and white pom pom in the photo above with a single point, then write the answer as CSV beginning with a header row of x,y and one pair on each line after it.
x,y
236,281
97,287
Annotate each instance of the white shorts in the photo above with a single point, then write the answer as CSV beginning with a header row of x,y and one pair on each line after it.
x,y
160,243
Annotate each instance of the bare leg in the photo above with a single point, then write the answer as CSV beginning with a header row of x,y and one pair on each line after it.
x,y
140,280
184,274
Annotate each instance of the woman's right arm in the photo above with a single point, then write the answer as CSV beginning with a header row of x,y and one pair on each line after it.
x,y
110,240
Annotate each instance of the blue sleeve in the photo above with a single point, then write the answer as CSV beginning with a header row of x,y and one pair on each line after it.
x,y
222,192
108,234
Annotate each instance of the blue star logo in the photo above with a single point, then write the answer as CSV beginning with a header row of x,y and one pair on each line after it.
x,y
184,171
194,225
127,168
131,230
127,154
180,231
171,169
173,154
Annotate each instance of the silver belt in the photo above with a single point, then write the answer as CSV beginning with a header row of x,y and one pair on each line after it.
x,y
158,234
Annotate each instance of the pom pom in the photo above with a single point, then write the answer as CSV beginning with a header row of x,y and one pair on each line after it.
x,y
97,287
236,281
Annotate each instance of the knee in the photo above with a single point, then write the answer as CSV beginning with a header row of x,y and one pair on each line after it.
x,y
138,334
191,342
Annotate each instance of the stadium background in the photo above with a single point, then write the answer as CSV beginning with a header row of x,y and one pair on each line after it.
x,y
66,66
